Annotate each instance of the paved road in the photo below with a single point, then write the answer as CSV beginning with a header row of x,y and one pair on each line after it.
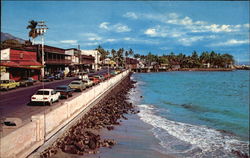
x,y
14,103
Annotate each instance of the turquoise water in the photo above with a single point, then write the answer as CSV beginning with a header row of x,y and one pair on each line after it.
x,y
205,110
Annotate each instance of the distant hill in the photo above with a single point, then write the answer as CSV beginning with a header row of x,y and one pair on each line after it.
x,y
6,36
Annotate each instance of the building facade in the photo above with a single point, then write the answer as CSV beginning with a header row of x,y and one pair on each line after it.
x,y
96,55
17,64
55,58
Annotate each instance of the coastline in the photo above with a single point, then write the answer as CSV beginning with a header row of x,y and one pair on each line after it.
x,y
107,125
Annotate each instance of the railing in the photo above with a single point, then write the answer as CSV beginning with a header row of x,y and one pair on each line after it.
x,y
57,61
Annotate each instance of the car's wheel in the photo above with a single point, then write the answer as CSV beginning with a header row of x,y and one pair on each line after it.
x,y
50,102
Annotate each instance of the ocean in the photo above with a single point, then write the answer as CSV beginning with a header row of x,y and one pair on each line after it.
x,y
195,114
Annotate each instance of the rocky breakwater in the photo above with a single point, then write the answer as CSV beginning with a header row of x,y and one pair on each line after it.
x,y
84,136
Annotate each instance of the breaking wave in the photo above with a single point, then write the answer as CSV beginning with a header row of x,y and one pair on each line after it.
x,y
186,140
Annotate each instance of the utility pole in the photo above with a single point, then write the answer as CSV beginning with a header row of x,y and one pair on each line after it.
x,y
41,30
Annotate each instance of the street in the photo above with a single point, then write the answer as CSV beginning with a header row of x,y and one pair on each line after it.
x,y
15,103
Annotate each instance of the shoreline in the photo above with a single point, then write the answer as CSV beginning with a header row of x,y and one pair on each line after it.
x,y
84,137
144,70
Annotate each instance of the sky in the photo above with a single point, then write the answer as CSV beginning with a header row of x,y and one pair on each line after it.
x,y
159,27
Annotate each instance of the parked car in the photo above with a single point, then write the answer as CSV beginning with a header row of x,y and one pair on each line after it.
x,y
95,80
88,83
27,82
82,75
71,74
65,91
48,78
107,75
45,96
112,73
8,84
59,75
100,77
77,85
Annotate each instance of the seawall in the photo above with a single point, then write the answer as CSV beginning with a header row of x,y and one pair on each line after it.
x,y
27,138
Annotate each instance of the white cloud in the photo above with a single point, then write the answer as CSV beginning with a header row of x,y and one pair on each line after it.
x,y
246,25
161,31
69,42
127,38
110,40
138,40
151,32
188,23
116,27
121,28
104,25
91,36
187,41
91,44
131,15
231,42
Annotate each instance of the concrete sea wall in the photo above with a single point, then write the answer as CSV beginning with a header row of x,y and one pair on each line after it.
x,y
27,138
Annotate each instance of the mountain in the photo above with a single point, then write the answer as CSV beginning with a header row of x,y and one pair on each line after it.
x,y
6,36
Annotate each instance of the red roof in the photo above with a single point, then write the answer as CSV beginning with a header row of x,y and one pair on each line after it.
x,y
22,64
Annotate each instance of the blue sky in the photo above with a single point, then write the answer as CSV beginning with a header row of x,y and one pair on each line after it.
x,y
145,26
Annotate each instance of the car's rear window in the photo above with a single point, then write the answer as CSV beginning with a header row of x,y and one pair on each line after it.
x,y
61,88
42,93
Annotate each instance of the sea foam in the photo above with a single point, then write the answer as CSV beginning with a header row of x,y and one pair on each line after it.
x,y
186,140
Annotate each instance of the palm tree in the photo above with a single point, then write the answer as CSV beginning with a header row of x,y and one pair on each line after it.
x,y
32,33
130,52
120,56
103,53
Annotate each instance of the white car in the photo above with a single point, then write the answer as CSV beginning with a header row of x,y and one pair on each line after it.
x,y
46,96
88,83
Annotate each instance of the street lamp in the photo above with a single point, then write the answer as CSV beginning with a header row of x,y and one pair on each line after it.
x,y
40,31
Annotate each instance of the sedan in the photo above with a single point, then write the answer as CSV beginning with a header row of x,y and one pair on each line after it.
x,y
45,96
65,91
27,82
77,85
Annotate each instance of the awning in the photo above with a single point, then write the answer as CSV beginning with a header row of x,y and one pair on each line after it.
x,y
22,64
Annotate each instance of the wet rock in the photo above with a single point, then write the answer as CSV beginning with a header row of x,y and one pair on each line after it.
x,y
240,154
110,128
83,138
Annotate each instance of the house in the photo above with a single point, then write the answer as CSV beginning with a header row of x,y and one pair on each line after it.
x,y
17,64
132,63
96,55
55,58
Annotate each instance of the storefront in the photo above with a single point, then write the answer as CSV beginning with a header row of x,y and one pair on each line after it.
x,y
18,64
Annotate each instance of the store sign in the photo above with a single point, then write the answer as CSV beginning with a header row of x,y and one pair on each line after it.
x,y
5,54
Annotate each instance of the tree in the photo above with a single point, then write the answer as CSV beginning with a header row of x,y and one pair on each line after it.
x,y
137,56
119,57
113,53
103,52
32,33
130,52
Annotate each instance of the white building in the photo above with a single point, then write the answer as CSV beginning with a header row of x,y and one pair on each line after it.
x,y
95,54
